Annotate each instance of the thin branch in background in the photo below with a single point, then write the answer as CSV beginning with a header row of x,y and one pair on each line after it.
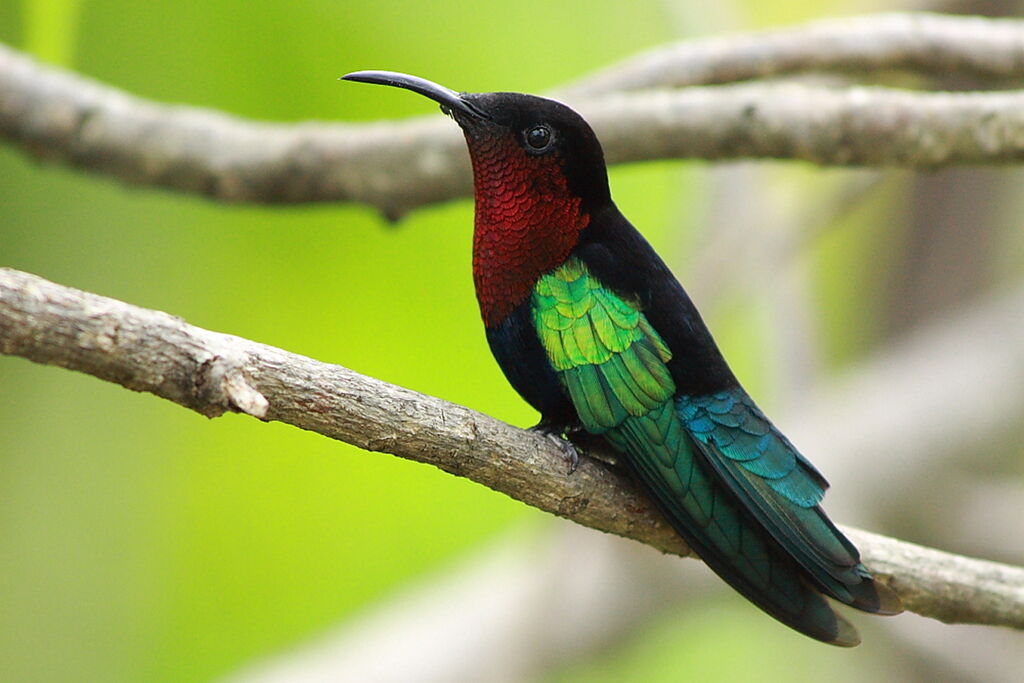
x,y
989,50
212,373
59,116
458,627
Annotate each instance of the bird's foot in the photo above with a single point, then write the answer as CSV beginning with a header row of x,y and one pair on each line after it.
x,y
559,435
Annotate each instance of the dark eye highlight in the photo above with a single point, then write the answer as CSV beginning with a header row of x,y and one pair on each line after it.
x,y
539,138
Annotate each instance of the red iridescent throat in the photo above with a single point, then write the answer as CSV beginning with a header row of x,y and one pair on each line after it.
x,y
527,222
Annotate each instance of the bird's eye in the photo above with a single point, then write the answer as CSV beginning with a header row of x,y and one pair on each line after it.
x,y
539,137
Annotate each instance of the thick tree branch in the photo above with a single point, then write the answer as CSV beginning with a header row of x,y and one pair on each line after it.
x,y
545,616
927,44
212,373
60,116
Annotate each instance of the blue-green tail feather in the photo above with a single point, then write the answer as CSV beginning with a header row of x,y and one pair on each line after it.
x,y
782,491
719,529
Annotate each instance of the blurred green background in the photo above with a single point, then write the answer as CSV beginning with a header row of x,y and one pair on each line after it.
x,y
139,541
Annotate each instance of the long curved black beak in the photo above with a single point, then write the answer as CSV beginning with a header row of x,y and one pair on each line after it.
x,y
449,99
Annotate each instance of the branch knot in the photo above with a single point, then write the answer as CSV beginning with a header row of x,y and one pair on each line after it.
x,y
222,383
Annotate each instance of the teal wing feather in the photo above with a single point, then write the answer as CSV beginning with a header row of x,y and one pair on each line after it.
x,y
732,485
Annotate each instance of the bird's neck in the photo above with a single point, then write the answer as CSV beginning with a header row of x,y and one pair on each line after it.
x,y
527,223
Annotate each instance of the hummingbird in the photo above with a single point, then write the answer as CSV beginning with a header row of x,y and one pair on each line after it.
x,y
594,331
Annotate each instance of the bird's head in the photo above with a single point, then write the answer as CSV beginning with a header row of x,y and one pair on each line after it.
x,y
513,137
